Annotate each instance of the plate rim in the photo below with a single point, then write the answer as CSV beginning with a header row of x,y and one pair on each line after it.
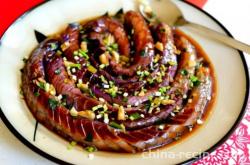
x,y
189,161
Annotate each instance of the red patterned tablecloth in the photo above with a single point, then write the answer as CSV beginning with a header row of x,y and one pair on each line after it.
x,y
236,150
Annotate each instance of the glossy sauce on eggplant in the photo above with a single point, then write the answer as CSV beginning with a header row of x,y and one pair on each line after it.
x,y
119,84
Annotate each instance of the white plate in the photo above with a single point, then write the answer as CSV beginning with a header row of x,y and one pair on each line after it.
x,y
53,16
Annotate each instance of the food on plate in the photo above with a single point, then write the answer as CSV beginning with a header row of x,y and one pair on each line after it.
x,y
119,83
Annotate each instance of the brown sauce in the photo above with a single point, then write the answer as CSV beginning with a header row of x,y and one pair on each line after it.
x,y
209,107
208,111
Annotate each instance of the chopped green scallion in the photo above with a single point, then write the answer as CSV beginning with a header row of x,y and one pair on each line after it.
x,y
71,145
103,79
78,66
57,71
36,94
114,46
89,137
143,53
115,125
134,116
184,72
195,81
193,78
163,90
113,94
41,85
90,149
83,54
53,46
91,93
53,103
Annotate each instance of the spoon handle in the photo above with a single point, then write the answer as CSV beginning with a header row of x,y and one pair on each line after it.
x,y
220,37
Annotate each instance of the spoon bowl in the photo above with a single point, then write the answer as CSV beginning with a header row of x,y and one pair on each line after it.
x,y
166,11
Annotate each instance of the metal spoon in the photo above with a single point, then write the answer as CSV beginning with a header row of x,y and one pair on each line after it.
x,y
168,12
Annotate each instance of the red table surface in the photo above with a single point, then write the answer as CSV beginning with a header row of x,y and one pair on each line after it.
x,y
10,10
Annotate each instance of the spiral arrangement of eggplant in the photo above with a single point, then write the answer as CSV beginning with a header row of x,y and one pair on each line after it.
x,y
118,84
